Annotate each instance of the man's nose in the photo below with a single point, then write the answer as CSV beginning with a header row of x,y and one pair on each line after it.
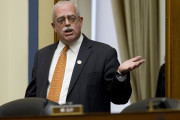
x,y
67,23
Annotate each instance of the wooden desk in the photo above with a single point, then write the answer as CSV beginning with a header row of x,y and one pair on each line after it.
x,y
166,115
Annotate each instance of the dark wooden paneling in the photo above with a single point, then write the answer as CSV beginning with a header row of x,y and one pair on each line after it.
x,y
173,49
163,115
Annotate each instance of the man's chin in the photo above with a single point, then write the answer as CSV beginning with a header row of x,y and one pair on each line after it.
x,y
69,39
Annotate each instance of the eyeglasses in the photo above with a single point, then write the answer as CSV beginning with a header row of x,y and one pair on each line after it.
x,y
62,20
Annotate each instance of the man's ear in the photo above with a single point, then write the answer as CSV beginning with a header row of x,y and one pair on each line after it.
x,y
53,26
81,21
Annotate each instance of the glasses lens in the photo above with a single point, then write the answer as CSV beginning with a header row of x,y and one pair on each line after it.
x,y
72,18
62,20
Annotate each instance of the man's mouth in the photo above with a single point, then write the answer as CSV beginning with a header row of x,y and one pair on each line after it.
x,y
68,32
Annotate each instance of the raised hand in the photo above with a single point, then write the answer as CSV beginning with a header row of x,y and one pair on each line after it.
x,y
130,64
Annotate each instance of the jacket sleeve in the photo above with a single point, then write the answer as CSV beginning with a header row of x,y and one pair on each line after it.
x,y
31,89
119,92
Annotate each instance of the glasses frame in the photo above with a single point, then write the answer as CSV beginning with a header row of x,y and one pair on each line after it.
x,y
71,19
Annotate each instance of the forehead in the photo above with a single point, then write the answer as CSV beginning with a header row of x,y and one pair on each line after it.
x,y
64,10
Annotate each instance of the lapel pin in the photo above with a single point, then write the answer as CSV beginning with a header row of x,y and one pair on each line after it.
x,y
79,62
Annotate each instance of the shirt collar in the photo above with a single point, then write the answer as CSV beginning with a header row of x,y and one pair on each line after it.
x,y
74,47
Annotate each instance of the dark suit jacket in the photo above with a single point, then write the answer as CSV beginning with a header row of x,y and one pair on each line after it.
x,y
93,83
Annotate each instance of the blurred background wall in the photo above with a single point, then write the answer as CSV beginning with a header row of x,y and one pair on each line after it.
x,y
13,49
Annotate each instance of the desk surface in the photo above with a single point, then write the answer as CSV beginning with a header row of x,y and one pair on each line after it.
x,y
165,115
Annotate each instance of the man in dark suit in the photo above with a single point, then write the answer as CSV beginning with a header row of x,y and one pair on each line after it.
x,y
93,76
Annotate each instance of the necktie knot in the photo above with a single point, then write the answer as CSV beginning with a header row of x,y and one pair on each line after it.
x,y
66,48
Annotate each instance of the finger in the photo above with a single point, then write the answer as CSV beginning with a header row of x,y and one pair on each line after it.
x,y
136,58
139,63
136,65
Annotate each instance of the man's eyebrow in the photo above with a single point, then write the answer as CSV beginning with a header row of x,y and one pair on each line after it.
x,y
60,17
65,16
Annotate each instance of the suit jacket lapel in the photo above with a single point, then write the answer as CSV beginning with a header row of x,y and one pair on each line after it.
x,y
49,56
83,55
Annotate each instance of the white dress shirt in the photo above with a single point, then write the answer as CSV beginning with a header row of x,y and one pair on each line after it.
x,y
71,59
